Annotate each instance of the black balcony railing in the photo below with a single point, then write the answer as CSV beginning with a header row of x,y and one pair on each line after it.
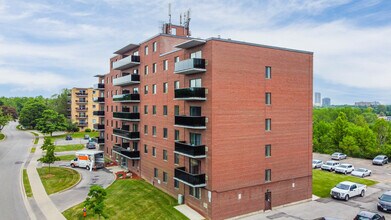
x,y
127,153
81,94
81,116
196,122
98,113
128,116
193,151
192,93
99,126
99,86
85,124
99,99
194,180
130,135
123,145
127,98
81,109
98,140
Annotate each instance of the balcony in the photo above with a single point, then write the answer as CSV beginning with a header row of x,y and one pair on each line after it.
x,y
126,116
99,113
128,135
193,122
82,94
127,62
127,80
81,116
81,109
81,101
126,98
99,99
190,66
132,155
190,94
123,145
98,140
189,150
99,86
99,127
84,124
193,180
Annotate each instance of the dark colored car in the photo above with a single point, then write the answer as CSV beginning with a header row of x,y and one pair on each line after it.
x,y
384,203
86,137
68,138
365,215
91,145
380,160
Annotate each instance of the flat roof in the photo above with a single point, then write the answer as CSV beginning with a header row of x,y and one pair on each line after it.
x,y
191,43
99,75
127,48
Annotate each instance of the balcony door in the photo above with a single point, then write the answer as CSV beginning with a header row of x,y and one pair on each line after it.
x,y
195,139
195,83
197,54
195,111
194,166
135,127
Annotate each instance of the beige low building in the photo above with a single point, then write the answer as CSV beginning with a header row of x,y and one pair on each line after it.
x,y
81,107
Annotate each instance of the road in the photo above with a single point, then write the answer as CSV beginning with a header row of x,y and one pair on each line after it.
x,y
13,152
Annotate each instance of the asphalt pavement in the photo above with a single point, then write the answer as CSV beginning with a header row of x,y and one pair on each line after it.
x,y
13,152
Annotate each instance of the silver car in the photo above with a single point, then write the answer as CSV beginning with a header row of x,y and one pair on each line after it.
x,y
338,156
380,160
316,164
361,172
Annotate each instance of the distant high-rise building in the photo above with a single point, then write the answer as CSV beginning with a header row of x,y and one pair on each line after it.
x,y
318,98
326,102
366,104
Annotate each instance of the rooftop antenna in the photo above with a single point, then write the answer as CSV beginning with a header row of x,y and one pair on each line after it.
x,y
180,19
187,22
169,13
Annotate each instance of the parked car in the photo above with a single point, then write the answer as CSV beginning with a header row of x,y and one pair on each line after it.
x,y
86,137
365,215
316,164
361,172
346,190
344,168
68,138
330,165
338,156
384,203
91,145
380,160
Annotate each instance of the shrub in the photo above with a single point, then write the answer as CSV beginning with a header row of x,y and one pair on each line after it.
x,y
87,130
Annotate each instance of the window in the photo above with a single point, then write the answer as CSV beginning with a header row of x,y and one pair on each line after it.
x,y
146,70
146,109
154,68
176,59
146,50
135,108
268,124
176,158
154,109
165,87
145,129
154,130
195,192
145,148
268,72
195,111
155,172
154,151
195,139
154,46
268,150
165,64
268,175
165,156
165,110
197,54
145,90
165,177
176,85
268,98
176,184
165,133
177,135
154,89
176,110
195,83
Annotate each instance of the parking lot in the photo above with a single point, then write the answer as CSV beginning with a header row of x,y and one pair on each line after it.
x,y
328,207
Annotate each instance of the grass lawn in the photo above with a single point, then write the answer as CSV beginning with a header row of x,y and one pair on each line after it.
x,y
58,179
70,147
67,157
133,199
2,136
26,183
32,150
324,181
77,135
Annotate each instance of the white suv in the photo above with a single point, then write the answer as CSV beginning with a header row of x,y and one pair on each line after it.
x,y
330,165
344,168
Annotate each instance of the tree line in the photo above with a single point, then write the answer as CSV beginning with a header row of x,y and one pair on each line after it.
x,y
357,132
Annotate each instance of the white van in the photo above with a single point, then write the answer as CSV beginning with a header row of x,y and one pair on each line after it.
x,y
89,159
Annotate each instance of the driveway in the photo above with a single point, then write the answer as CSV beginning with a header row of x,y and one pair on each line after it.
x,y
77,194
73,141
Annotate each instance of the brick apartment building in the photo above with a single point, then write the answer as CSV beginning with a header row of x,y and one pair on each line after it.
x,y
225,124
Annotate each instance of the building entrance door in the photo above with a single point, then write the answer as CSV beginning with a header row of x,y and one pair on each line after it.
x,y
268,200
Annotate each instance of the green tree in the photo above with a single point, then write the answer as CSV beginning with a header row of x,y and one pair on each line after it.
x,y
71,126
49,157
382,130
339,128
31,112
59,102
50,122
47,143
95,200
4,119
349,146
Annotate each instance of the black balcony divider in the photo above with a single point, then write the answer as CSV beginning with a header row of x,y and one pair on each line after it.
x,y
99,113
126,134
98,140
99,99
188,149
99,126
127,115
199,63
190,121
193,179
192,92
100,86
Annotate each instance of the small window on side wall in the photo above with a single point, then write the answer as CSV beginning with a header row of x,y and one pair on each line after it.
x,y
268,72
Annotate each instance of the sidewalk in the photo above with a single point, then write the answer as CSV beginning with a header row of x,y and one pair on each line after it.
x,y
43,201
